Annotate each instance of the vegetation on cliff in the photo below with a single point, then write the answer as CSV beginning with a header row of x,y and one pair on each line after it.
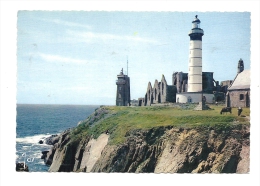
x,y
118,121
174,139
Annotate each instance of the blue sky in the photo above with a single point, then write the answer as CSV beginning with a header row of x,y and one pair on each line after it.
x,y
73,57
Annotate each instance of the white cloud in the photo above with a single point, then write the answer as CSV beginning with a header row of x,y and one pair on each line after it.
x,y
58,58
89,36
67,23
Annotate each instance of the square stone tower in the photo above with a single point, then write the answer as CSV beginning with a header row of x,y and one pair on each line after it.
x,y
123,90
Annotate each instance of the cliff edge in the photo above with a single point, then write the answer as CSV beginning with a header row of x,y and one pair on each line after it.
x,y
113,140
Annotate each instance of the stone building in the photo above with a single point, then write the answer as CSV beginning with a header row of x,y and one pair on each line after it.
x,y
141,102
160,93
149,95
156,92
180,79
224,85
220,90
171,93
163,93
238,93
195,86
123,90
207,82
163,89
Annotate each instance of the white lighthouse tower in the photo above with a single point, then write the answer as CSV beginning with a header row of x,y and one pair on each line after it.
x,y
195,92
195,57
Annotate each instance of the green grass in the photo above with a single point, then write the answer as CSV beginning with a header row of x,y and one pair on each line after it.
x,y
120,120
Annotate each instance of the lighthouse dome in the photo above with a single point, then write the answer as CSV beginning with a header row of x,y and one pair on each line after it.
x,y
196,20
196,24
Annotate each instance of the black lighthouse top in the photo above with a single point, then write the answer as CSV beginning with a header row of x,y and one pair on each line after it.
x,y
196,32
196,20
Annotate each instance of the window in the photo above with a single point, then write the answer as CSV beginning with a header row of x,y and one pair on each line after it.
x,y
241,97
189,99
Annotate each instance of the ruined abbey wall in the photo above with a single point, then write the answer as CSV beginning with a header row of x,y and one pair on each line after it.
x,y
161,92
156,92
163,89
149,94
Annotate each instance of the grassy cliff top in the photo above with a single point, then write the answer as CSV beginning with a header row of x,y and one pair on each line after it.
x,y
120,120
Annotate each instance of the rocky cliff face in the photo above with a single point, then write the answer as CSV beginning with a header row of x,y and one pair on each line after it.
x,y
157,150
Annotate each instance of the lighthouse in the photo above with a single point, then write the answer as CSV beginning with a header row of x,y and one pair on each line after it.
x,y
195,57
195,91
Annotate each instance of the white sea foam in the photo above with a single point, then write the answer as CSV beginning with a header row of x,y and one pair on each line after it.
x,y
25,146
41,163
37,154
32,139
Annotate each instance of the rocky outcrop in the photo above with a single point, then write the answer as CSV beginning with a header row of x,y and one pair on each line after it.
x,y
44,154
51,140
21,167
90,155
157,150
63,139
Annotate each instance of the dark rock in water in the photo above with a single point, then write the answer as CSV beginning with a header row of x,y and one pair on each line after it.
x,y
20,167
44,154
40,142
51,140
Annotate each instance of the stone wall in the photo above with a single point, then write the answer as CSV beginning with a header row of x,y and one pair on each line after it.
x,y
156,92
207,82
180,79
145,100
238,98
149,94
171,94
193,97
163,89
140,101
224,85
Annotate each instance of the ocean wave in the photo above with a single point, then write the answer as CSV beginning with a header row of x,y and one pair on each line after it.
x,y
25,146
32,139
31,154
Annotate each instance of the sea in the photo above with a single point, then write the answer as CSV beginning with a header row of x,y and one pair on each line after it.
x,y
34,122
